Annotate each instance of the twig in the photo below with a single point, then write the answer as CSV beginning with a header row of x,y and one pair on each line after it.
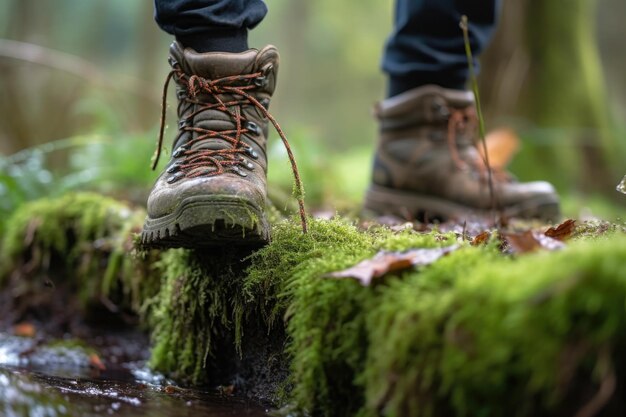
x,y
481,123
464,230
36,54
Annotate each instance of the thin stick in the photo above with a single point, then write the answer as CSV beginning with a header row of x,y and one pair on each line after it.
x,y
481,123
51,58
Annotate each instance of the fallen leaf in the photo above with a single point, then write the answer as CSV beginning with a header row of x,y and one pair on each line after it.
x,y
385,262
521,242
24,330
530,241
563,231
502,145
95,362
170,389
481,238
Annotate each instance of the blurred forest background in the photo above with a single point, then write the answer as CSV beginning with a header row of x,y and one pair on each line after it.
x,y
80,85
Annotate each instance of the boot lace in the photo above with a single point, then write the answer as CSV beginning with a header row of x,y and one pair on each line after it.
x,y
465,121
216,161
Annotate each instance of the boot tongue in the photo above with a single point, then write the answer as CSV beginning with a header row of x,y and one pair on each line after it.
x,y
214,65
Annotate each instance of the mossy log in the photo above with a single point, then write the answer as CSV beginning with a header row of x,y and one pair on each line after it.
x,y
476,333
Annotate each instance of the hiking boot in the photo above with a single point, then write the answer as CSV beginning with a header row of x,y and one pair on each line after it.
x,y
213,190
427,165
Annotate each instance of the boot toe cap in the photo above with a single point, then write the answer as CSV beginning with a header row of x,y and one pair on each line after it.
x,y
165,198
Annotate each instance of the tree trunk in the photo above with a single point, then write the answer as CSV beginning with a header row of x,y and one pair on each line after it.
x,y
568,83
544,65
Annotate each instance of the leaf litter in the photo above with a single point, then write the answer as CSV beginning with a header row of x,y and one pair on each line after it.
x,y
563,231
385,262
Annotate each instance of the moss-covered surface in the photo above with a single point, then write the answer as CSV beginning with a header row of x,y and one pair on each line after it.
x,y
485,335
475,333
198,305
71,253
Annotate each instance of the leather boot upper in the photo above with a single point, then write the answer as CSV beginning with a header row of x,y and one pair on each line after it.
x,y
428,146
220,146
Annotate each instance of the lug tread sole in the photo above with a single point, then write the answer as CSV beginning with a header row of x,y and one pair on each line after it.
x,y
206,222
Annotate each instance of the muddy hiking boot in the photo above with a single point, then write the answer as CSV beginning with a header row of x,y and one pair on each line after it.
x,y
427,165
213,190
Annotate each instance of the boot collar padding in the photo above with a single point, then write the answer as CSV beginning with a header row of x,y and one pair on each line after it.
x,y
214,65
426,104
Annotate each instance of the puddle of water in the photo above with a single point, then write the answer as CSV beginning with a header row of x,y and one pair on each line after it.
x,y
55,381
26,393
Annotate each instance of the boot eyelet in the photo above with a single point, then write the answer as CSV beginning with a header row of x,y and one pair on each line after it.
x,y
181,94
184,122
249,165
252,152
172,61
173,168
266,103
239,172
268,69
180,151
253,127
173,178
260,81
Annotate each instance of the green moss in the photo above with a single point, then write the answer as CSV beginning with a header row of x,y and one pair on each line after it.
x,y
476,333
285,280
484,335
325,317
598,229
89,235
199,305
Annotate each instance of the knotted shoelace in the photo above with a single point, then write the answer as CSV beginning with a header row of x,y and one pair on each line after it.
x,y
217,160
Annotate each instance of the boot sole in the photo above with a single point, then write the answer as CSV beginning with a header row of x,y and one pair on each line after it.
x,y
384,200
207,221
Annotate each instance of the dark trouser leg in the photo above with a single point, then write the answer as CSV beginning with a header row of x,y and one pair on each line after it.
x,y
210,25
426,46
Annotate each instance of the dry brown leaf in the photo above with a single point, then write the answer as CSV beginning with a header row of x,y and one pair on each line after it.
x,y
481,238
521,242
24,330
531,240
95,362
502,145
563,231
385,262
170,389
